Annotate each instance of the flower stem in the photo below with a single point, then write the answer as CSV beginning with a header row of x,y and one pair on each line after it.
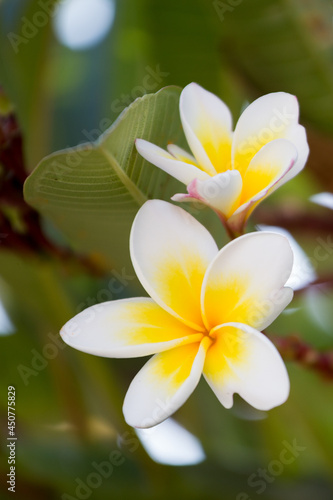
x,y
232,234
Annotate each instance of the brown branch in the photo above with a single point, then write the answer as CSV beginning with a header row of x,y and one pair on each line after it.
x,y
293,348
296,220
31,240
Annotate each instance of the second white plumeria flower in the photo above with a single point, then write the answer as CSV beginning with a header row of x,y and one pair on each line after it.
x,y
204,315
233,171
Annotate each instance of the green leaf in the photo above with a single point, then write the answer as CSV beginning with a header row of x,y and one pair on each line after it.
x,y
283,45
92,192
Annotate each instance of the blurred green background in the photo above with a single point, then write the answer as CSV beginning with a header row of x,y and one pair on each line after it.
x,y
66,87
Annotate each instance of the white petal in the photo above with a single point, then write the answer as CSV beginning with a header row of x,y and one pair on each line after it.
x,y
184,172
298,137
170,252
183,197
273,307
244,361
164,384
207,124
244,281
221,192
126,328
270,117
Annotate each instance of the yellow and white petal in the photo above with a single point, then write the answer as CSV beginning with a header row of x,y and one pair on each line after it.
x,y
126,328
273,116
207,124
222,192
272,162
244,281
181,155
164,384
244,361
171,251
183,171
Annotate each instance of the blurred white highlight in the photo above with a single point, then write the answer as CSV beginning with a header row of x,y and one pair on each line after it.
x,y
169,443
81,24
6,326
323,199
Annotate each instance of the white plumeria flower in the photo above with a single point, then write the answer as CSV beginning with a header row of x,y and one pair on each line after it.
x,y
233,171
204,315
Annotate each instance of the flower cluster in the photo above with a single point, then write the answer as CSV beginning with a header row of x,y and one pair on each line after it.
x,y
207,307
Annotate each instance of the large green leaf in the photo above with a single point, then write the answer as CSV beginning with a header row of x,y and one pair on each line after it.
x,y
92,192
283,45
